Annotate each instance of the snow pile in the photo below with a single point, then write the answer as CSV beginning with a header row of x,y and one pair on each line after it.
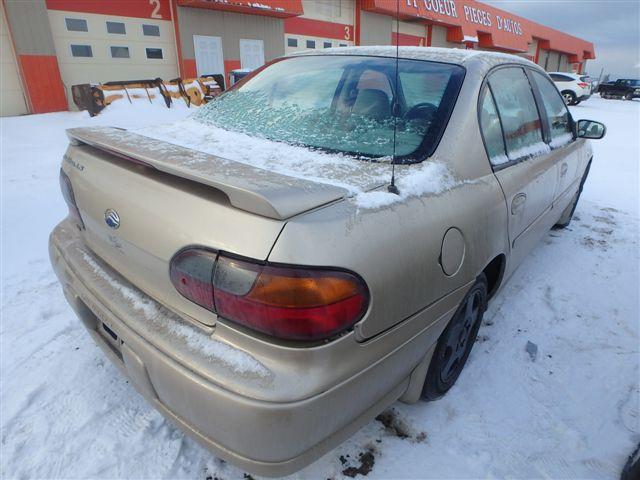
x,y
425,178
437,54
137,301
294,161
357,175
532,150
237,360
561,140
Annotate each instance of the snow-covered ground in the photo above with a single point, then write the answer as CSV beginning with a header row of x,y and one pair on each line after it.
x,y
573,413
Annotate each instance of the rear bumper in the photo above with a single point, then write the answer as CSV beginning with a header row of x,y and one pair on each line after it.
x,y
270,438
584,97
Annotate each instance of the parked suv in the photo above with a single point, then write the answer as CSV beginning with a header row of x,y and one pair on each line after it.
x,y
572,87
622,88
275,292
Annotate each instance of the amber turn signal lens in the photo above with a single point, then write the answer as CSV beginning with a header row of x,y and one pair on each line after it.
x,y
302,292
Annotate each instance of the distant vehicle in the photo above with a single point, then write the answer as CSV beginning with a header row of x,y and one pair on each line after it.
x,y
271,316
592,81
622,88
573,87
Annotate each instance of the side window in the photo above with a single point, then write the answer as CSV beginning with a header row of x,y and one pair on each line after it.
x,y
518,113
491,129
557,112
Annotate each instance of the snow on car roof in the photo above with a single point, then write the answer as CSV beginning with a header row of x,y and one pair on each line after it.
x,y
479,59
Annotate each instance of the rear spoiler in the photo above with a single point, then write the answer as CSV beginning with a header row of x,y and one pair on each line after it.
x,y
248,188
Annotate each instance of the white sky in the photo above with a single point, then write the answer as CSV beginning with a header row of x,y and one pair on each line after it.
x,y
613,27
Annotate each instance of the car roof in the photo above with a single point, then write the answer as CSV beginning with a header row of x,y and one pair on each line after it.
x,y
477,60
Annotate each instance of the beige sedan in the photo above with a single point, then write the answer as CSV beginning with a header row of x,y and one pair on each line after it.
x,y
270,311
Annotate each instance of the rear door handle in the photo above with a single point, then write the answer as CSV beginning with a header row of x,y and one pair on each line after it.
x,y
518,202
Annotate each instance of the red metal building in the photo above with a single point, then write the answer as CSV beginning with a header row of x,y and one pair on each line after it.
x,y
50,45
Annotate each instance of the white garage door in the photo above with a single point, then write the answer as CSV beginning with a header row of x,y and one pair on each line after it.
x,y
209,59
12,101
96,48
251,54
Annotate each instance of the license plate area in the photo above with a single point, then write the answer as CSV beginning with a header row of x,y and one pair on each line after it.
x,y
110,335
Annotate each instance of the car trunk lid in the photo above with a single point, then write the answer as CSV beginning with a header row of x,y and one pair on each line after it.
x,y
168,197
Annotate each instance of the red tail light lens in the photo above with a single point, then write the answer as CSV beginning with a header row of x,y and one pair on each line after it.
x,y
191,273
583,85
69,198
293,303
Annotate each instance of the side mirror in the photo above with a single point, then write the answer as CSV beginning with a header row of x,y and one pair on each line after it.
x,y
591,129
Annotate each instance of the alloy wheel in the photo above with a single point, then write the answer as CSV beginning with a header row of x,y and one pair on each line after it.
x,y
458,340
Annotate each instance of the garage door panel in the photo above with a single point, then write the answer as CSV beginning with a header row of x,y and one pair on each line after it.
x,y
101,66
12,100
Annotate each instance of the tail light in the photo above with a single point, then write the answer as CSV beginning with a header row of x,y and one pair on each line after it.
x,y
287,302
69,198
583,85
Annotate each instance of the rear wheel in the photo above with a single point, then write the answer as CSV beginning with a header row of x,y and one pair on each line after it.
x,y
569,97
455,343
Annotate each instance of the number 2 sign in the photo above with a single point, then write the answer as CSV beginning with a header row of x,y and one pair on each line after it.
x,y
155,13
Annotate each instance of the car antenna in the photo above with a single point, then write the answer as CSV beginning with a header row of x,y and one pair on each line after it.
x,y
392,188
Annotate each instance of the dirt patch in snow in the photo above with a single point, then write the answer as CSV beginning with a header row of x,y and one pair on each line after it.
x,y
366,462
396,426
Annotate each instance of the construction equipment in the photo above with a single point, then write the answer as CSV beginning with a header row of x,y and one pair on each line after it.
x,y
193,91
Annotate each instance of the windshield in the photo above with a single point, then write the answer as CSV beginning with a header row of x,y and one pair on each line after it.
x,y
343,103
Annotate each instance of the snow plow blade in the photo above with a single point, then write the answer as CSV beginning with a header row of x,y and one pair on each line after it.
x,y
248,188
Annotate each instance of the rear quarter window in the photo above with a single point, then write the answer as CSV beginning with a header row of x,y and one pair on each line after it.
x,y
491,129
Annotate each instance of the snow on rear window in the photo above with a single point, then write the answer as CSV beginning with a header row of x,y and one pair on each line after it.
x,y
341,103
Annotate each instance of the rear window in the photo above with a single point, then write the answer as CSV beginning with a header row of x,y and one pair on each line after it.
x,y
344,103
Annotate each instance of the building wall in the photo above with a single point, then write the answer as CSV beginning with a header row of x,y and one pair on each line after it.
x,y
231,28
325,24
35,55
336,11
375,29
439,38
410,34
101,66
12,99
565,66
551,64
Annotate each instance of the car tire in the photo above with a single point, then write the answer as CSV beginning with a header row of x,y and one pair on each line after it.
x,y
567,214
569,97
455,342
628,96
